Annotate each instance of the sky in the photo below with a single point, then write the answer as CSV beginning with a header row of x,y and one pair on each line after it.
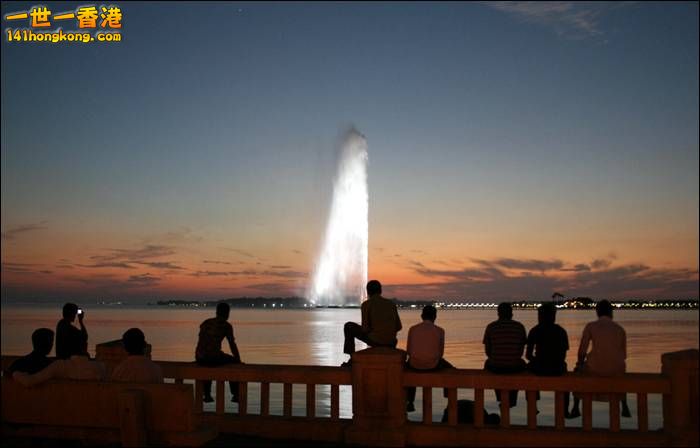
x,y
515,149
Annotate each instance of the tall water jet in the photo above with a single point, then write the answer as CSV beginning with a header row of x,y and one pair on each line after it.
x,y
340,274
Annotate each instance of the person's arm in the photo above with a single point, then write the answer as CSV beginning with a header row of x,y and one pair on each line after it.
x,y
583,347
442,343
624,344
523,339
366,324
530,345
487,343
41,376
409,341
398,320
232,345
83,330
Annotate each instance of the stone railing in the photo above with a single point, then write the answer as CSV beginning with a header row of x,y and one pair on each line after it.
x,y
378,383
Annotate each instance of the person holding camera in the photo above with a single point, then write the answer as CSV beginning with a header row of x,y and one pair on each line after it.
x,y
70,339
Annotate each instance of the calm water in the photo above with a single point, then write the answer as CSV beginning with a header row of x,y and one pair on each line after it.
x,y
314,337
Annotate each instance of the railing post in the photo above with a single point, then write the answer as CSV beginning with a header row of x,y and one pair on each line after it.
x,y
378,398
681,405
132,419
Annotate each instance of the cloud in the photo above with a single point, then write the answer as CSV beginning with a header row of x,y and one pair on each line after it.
x,y
251,273
528,265
493,279
215,262
161,265
279,267
144,280
573,20
600,263
18,267
577,268
242,252
215,273
13,232
136,255
108,264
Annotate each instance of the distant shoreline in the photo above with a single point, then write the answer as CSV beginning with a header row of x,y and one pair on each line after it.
x,y
295,303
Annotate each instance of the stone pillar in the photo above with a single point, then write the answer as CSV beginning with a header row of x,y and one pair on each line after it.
x,y
378,398
681,405
112,353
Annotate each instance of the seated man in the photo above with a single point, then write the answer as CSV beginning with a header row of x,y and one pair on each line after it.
x,y
136,368
42,342
380,322
504,341
212,332
77,367
68,337
547,344
607,357
425,347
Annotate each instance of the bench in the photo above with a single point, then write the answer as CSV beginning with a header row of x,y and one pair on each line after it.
x,y
100,412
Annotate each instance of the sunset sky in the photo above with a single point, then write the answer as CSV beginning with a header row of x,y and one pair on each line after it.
x,y
515,149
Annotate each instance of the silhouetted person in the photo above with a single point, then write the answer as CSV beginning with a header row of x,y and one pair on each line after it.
x,y
607,357
504,341
42,342
547,344
212,332
380,321
425,347
78,367
68,338
136,368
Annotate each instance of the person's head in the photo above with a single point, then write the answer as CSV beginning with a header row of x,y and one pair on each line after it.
x,y
69,311
42,341
429,313
223,310
546,313
134,341
604,308
505,311
374,288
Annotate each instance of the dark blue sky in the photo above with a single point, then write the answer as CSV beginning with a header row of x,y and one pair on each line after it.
x,y
532,131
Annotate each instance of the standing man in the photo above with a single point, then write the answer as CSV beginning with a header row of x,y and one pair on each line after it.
x,y
380,322
504,341
212,332
607,357
425,347
70,340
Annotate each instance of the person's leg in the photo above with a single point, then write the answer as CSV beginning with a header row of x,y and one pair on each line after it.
x,y
206,384
444,364
410,398
575,412
354,331
351,331
233,385
625,409
513,398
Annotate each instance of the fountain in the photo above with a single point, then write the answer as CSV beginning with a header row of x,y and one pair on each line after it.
x,y
340,273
